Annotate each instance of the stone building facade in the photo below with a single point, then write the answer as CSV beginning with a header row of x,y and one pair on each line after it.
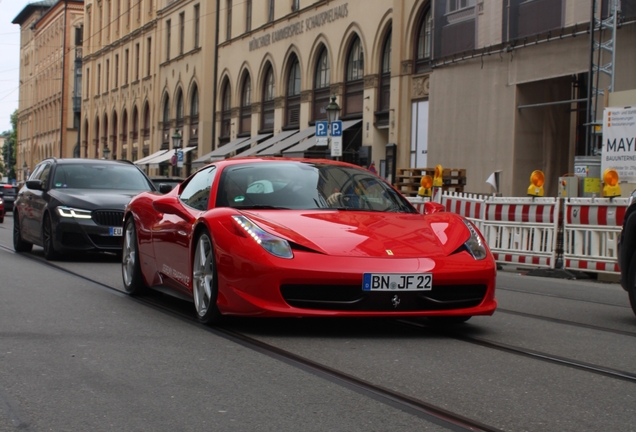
x,y
144,64
50,40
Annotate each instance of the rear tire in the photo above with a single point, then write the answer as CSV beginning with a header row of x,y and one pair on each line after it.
x,y
204,280
19,245
130,266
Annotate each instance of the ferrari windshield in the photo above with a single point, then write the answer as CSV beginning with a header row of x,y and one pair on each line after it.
x,y
302,185
93,175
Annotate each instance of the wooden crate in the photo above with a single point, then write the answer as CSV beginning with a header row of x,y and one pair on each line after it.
x,y
408,180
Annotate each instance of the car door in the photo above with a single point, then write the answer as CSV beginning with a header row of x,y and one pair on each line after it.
x,y
172,235
37,201
28,202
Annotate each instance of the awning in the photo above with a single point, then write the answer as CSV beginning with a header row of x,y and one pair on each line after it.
x,y
166,156
265,144
310,142
279,147
146,159
224,150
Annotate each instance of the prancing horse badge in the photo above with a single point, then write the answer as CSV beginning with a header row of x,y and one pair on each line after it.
x,y
395,300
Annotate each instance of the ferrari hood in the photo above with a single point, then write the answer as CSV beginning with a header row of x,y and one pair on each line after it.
x,y
367,234
93,199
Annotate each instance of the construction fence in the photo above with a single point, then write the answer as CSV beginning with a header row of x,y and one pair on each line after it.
x,y
564,233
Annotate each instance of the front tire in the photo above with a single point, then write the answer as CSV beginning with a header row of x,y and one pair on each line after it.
x,y
47,240
19,245
204,280
130,267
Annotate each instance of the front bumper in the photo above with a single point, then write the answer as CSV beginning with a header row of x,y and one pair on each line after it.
x,y
315,285
71,234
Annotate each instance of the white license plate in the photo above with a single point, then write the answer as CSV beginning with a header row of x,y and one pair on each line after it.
x,y
116,231
397,282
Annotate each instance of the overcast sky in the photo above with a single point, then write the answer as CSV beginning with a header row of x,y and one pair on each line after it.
x,y
10,60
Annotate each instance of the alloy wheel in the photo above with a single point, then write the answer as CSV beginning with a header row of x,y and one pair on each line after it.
x,y
203,275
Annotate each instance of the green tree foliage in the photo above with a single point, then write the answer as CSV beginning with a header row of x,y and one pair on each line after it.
x,y
9,148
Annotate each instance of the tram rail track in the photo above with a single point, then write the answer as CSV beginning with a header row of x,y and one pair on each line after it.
x,y
413,406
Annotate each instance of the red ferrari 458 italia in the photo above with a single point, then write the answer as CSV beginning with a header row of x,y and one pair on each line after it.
x,y
276,237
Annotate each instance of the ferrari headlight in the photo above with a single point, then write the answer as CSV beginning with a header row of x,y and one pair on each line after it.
x,y
69,212
475,244
272,244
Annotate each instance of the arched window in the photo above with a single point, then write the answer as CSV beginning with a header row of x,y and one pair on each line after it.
x,y
146,128
424,42
96,138
321,85
165,124
384,99
124,134
135,124
246,105
114,136
104,135
180,110
292,101
86,135
267,108
194,117
354,82
226,114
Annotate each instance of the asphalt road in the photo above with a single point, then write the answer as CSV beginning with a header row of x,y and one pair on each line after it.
x,y
76,354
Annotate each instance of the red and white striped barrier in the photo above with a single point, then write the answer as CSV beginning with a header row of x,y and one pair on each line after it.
x,y
522,230
591,228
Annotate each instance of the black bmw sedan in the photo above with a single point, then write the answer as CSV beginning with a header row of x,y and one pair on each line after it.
x,y
75,205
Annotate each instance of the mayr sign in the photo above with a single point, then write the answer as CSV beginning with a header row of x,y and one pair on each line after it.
x,y
619,142
299,27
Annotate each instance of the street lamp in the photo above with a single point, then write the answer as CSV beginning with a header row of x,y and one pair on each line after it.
x,y
25,168
106,152
333,111
176,145
333,115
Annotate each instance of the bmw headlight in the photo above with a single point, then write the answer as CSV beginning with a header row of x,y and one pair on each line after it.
x,y
69,212
475,244
272,244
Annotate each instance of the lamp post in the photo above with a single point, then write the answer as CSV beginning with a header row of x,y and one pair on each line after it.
x,y
333,115
106,153
176,145
25,168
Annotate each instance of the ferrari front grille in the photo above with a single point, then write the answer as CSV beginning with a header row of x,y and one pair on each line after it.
x,y
108,218
352,297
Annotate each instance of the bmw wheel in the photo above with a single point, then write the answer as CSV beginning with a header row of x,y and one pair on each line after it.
x,y
130,267
19,245
47,240
204,280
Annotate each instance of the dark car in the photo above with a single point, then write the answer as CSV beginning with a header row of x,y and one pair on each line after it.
x,y
8,193
168,183
627,251
75,205
1,210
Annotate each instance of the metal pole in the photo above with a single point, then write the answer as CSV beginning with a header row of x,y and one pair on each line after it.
x,y
590,78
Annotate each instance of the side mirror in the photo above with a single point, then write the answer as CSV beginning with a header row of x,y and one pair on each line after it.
x,y
171,205
433,207
164,188
34,184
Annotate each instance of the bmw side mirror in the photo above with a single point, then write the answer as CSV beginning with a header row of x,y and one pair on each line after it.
x,y
34,184
164,188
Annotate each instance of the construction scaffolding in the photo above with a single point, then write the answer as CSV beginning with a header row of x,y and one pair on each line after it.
x,y
602,65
